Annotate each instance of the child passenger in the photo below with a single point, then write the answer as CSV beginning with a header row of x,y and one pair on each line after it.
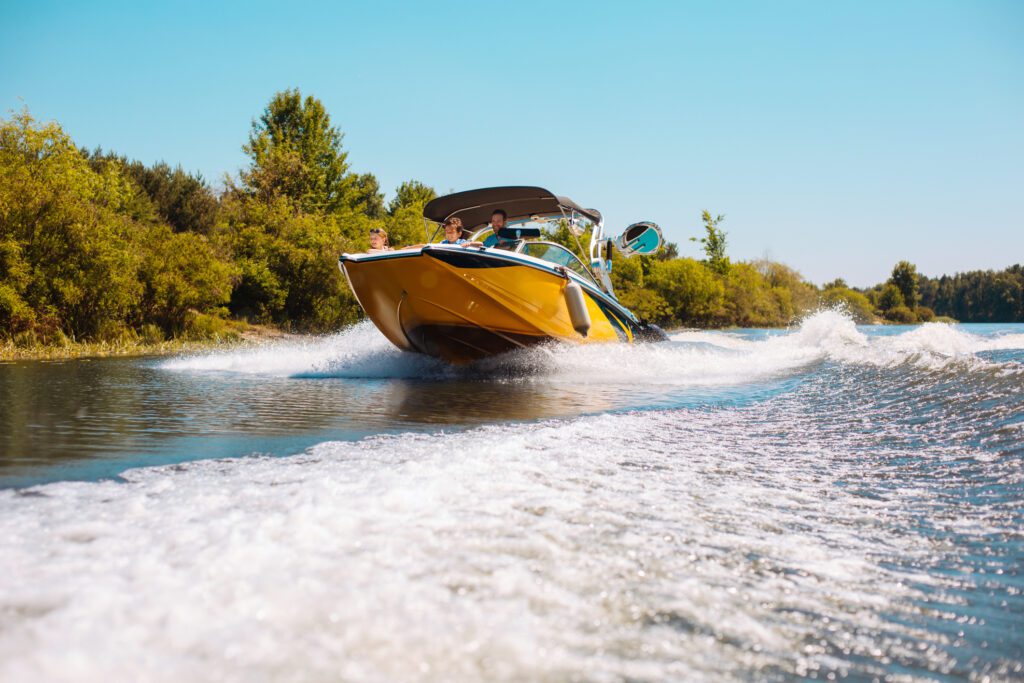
x,y
453,231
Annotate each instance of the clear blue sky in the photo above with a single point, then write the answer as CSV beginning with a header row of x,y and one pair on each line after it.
x,y
838,137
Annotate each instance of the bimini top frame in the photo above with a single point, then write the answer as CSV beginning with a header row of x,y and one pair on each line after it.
x,y
474,207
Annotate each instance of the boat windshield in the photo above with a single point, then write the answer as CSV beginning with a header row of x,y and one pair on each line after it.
x,y
557,254
545,224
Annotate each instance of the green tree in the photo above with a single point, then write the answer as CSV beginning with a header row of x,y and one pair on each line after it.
x,y
288,262
627,273
838,283
411,193
83,252
296,153
404,221
751,301
891,297
803,296
648,305
668,251
180,273
692,292
901,314
924,314
297,208
904,276
714,243
182,200
367,196
67,237
406,226
852,301
16,315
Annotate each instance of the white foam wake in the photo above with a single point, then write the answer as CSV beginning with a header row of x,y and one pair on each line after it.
x,y
931,346
357,351
692,357
832,335
661,546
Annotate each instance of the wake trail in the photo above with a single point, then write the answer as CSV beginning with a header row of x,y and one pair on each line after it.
x,y
699,358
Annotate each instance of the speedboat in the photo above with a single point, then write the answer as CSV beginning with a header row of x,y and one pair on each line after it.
x,y
520,288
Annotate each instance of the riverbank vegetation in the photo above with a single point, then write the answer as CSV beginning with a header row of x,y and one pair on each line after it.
x,y
100,251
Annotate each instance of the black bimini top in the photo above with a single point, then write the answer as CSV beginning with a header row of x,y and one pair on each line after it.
x,y
475,207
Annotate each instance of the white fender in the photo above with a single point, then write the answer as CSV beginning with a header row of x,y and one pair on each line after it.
x,y
576,301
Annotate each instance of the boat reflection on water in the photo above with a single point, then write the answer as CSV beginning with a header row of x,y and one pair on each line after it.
x,y
479,402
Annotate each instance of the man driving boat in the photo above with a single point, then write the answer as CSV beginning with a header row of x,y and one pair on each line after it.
x,y
498,220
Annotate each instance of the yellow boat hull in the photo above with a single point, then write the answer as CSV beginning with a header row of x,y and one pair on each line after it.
x,y
463,304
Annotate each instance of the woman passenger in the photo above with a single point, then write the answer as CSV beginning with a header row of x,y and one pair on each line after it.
x,y
378,241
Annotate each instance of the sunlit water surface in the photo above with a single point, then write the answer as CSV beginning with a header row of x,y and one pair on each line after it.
x,y
826,502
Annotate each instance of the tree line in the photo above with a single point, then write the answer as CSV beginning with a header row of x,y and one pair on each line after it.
x,y
94,246
716,292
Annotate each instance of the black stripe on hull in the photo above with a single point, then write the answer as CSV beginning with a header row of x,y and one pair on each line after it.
x,y
461,344
469,259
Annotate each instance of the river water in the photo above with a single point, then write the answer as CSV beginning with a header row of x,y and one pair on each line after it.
x,y
830,502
